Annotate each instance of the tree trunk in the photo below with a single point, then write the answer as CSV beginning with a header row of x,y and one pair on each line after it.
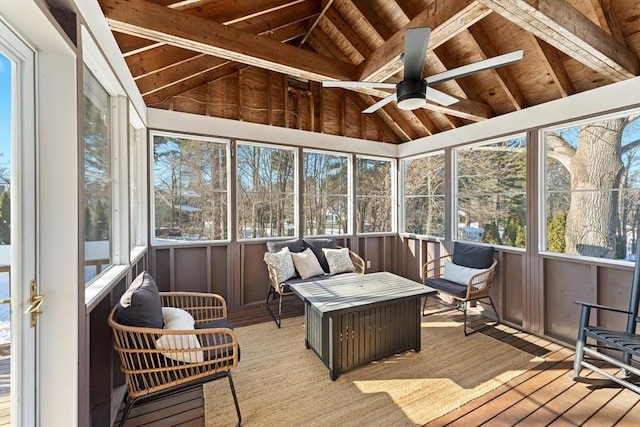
x,y
596,169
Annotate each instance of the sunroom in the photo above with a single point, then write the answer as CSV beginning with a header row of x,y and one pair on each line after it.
x,y
180,137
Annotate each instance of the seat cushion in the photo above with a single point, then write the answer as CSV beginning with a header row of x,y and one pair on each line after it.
x,y
316,245
294,245
472,256
447,286
140,305
216,339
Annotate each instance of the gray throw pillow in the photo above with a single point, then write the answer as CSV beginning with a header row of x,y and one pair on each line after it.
x,y
294,245
472,256
140,305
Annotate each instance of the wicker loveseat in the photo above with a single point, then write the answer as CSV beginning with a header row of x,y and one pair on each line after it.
x,y
160,360
279,285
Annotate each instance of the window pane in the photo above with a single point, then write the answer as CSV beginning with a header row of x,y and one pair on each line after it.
x,y
134,190
374,202
424,187
491,200
97,169
326,193
190,188
265,191
592,176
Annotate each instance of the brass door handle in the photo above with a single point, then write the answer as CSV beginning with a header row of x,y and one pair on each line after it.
x,y
36,302
5,301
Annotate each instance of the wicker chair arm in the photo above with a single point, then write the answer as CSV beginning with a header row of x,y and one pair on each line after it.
x,y
481,283
273,279
204,307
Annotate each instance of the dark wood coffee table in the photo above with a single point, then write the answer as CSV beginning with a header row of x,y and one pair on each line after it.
x,y
356,319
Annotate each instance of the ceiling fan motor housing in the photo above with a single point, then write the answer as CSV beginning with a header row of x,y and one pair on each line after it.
x,y
411,94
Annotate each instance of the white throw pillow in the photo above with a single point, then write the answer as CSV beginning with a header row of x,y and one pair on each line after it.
x,y
177,319
459,274
282,263
339,260
307,264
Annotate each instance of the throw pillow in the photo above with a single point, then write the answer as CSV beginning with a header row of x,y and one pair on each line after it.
x,y
176,319
294,245
473,256
458,273
317,245
339,261
140,305
307,264
282,263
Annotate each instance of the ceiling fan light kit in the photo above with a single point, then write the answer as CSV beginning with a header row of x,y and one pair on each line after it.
x,y
411,92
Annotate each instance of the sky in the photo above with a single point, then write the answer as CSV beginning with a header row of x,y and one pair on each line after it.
x,y
5,111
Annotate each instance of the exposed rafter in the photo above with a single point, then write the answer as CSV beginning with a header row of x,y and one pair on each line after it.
x,y
562,26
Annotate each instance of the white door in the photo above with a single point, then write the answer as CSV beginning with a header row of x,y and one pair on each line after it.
x,y
17,230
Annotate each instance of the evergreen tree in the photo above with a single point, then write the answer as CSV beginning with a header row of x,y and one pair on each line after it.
x,y
5,218
491,234
555,233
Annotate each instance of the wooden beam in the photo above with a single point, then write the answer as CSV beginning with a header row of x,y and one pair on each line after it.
x,y
503,75
144,19
231,12
380,117
607,19
327,5
562,26
349,33
450,19
555,67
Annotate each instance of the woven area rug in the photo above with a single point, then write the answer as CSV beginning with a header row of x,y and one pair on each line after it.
x,y
280,382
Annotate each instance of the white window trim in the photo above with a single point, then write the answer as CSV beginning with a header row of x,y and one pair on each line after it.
x,y
152,207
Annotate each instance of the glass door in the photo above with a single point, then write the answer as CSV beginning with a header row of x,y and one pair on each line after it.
x,y
17,231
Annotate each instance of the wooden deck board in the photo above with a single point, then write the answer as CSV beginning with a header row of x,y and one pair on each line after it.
x,y
542,396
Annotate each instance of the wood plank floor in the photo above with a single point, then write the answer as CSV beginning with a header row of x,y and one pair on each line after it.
x,y
544,396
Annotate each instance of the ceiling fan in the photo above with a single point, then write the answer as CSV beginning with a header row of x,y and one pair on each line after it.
x,y
414,91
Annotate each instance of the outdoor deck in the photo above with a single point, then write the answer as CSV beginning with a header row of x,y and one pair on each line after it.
x,y
542,396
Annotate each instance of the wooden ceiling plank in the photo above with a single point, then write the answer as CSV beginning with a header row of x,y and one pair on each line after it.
x,y
320,37
366,9
430,126
450,19
141,18
359,23
154,60
554,67
562,26
413,7
161,96
130,45
232,12
504,76
397,116
336,37
347,30
326,5
608,20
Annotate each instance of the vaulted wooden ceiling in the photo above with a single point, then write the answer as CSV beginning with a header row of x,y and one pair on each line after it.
x,y
263,60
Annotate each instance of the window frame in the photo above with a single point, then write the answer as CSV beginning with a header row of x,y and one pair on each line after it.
x,y
151,197
393,196
455,208
350,197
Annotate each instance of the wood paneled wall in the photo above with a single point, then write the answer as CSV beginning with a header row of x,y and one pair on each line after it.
x,y
259,96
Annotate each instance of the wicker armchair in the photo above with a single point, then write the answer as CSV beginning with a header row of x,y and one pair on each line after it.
x,y
151,372
282,289
477,288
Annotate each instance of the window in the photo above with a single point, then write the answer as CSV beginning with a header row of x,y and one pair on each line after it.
x,y
326,193
190,183
424,195
491,197
98,177
592,187
137,160
266,197
374,195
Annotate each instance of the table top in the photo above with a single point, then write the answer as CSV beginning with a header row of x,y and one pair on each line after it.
x,y
342,293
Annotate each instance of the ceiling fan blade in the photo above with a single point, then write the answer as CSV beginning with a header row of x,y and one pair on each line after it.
x,y
378,85
384,101
465,70
415,50
441,98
